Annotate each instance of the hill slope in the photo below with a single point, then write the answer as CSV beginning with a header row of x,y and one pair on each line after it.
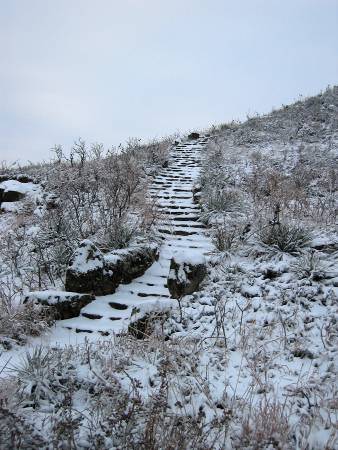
x,y
248,362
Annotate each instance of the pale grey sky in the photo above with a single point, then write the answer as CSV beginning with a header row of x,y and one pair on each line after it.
x,y
107,70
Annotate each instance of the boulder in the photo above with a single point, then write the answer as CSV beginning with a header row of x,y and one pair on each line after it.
x,y
193,136
85,270
23,178
127,264
146,319
14,190
196,194
186,274
65,305
146,325
51,201
11,196
91,271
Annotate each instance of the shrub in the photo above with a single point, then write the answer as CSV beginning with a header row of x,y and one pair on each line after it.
x,y
16,433
17,321
267,426
221,200
224,237
285,237
310,266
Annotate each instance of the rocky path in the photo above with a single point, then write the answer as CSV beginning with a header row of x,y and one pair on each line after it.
x,y
181,231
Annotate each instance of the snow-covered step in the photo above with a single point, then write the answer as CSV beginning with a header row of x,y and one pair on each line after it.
x,y
181,229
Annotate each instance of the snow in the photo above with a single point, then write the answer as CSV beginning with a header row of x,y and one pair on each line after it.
x,y
189,257
87,257
17,186
52,297
11,207
259,333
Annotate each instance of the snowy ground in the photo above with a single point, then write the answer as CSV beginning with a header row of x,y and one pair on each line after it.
x,y
250,361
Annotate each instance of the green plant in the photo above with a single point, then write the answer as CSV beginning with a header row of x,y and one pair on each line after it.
x,y
285,237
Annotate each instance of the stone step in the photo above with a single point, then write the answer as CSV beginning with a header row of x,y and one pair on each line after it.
x,y
183,225
182,207
177,232
180,230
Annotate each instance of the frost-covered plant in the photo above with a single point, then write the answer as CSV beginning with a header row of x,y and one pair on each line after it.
x,y
266,426
16,433
224,237
33,375
18,321
310,265
285,237
221,200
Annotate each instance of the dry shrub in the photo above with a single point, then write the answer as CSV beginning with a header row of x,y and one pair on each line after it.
x,y
17,434
117,416
265,426
18,321
221,200
226,236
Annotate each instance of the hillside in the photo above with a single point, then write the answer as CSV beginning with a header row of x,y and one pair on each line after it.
x,y
176,295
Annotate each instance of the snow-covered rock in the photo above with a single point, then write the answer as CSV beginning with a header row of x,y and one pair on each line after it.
x,y
91,271
85,270
13,190
65,304
187,271
147,317
127,264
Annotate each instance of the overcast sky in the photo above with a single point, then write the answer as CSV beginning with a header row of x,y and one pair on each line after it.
x,y
107,70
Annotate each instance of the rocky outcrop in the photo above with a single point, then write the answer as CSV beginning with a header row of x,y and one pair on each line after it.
x,y
91,271
193,136
64,305
10,196
130,263
14,190
23,178
186,274
85,272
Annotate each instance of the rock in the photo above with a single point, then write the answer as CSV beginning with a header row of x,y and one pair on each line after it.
x,y
145,326
10,196
90,271
196,194
13,190
130,263
193,136
23,178
186,274
146,319
51,201
85,272
65,304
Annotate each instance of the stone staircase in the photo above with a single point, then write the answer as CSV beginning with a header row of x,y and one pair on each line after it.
x,y
180,230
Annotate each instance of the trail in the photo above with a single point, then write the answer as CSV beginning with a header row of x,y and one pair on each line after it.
x,y
181,231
